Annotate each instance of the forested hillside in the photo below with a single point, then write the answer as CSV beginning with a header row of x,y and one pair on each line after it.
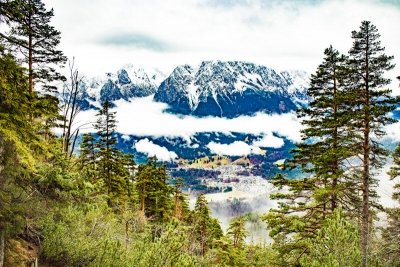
x,y
70,203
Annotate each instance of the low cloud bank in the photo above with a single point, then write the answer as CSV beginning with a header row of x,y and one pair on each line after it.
x,y
237,148
150,149
143,117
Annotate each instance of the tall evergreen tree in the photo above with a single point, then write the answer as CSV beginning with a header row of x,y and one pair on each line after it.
x,y
371,104
237,231
181,209
206,229
109,157
143,185
33,38
321,156
88,156
153,190
326,140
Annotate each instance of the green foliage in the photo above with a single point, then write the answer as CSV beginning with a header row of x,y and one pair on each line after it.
x,y
78,237
205,228
336,244
371,104
237,231
390,254
102,164
394,172
92,236
87,157
321,155
34,40
349,105
100,209
14,107
154,193
181,207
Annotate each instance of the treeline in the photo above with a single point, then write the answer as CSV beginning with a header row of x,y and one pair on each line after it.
x,y
99,208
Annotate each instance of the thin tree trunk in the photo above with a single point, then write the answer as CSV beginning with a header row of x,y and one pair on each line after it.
x,y
335,143
74,143
72,114
1,247
30,50
366,166
126,234
365,197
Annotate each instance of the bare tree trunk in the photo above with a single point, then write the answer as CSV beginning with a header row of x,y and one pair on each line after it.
x,y
335,148
1,247
35,263
71,109
365,197
73,144
30,50
366,167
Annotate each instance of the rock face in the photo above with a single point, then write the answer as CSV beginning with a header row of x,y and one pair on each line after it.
x,y
230,89
126,83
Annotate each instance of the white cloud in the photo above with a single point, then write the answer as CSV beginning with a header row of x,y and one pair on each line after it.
x,y
393,132
149,148
269,140
240,148
280,34
237,148
143,117
386,187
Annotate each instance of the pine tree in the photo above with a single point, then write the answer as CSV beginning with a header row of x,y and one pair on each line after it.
x,y
202,218
371,104
336,244
181,209
143,185
321,157
127,170
33,38
109,157
326,140
237,231
153,190
161,194
206,229
88,156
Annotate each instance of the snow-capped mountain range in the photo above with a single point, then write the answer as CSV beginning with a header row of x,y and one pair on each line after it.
x,y
128,82
228,90
213,88
232,88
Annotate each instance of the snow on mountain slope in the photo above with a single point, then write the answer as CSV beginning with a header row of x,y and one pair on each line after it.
x,y
130,81
232,88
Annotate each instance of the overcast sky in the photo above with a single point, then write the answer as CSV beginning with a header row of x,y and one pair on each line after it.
x,y
104,35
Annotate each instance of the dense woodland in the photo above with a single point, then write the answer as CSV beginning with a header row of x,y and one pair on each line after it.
x,y
98,208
